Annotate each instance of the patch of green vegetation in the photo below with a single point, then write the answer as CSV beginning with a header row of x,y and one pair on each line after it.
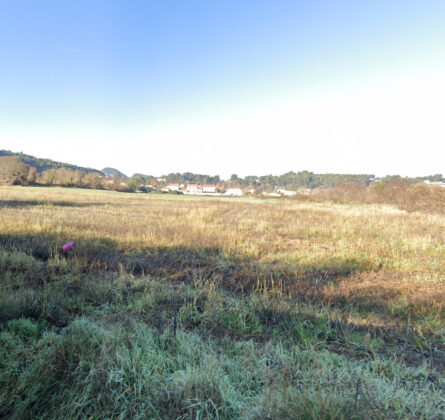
x,y
110,345
101,368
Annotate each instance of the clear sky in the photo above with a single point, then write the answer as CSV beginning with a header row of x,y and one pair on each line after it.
x,y
221,87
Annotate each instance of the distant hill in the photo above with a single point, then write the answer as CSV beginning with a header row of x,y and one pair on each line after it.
x,y
42,165
112,171
143,176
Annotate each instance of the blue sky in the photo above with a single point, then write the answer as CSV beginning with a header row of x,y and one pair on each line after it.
x,y
222,87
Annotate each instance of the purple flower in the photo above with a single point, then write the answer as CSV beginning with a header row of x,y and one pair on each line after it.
x,y
68,247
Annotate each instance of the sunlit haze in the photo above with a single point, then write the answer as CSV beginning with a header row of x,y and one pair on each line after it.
x,y
250,87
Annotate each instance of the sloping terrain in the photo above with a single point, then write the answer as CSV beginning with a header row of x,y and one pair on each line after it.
x,y
42,165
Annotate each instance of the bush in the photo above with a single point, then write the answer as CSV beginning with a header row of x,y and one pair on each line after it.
x,y
404,195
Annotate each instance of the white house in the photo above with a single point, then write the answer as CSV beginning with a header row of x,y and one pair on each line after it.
x,y
173,187
286,193
208,188
438,183
194,189
234,192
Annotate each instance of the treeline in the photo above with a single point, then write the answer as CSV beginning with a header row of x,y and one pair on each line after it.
x,y
393,178
290,180
42,165
178,178
305,179
296,180
397,192
21,169
13,171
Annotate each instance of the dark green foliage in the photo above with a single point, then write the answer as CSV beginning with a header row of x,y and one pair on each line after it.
x,y
190,178
42,165
412,180
132,184
305,179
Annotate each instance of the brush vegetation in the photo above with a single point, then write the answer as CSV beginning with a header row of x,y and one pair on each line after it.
x,y
204,308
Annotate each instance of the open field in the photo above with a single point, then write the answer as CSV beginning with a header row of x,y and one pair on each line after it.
x,y
184,307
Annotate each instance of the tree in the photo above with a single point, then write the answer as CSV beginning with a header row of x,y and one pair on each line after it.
x,y
49,177
132,184
117,179
78,178
32,176
93,180
13,171
64,177
251,180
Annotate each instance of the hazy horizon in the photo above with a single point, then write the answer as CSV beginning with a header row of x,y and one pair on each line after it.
x,y
254,88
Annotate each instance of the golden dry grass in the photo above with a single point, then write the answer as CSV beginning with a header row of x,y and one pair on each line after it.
x,y
373,256
186,307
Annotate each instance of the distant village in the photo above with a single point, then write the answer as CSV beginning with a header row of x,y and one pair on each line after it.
x,y
288,185
218,190
205,189
221,189
224,188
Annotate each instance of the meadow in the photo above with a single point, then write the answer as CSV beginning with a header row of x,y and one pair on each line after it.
x,y
218,308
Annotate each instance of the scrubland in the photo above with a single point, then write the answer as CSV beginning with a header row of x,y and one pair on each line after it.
x,y
185,307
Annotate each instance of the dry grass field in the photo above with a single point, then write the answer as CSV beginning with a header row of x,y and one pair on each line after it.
x,y
183,307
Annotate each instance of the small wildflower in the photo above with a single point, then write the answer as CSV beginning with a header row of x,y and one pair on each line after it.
x,y
68,247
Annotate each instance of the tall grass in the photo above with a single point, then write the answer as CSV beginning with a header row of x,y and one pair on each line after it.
x,y
177,307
